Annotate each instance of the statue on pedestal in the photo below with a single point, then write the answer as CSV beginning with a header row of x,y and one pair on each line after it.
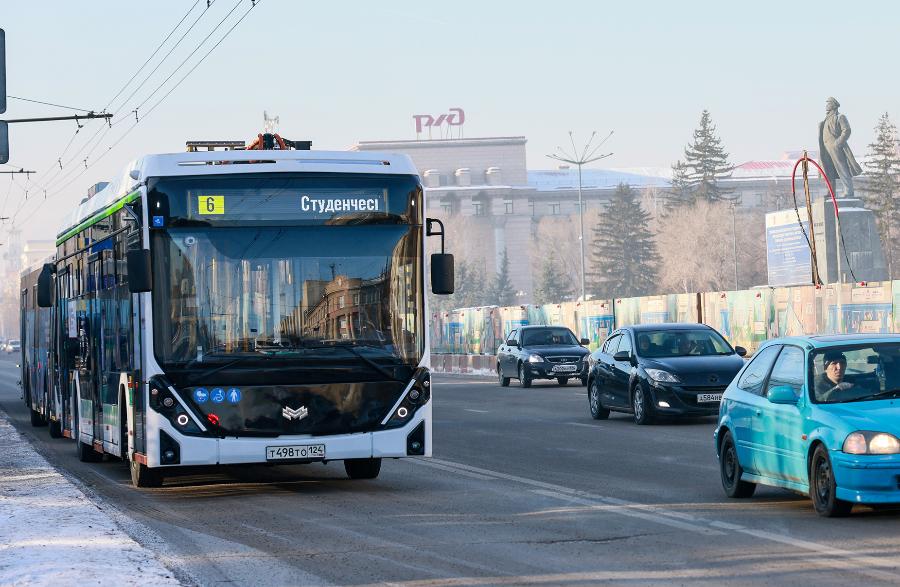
x,y
837,158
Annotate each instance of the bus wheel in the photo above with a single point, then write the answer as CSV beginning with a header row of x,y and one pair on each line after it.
x,y
144,476
37,419
362,468
86,453
55,428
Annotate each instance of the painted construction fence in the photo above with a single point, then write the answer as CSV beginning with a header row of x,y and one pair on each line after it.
x,y
465,340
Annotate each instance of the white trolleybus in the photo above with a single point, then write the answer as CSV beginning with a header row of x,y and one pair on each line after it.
x,y
239,306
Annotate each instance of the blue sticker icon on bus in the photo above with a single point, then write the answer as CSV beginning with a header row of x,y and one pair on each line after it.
x,y
201,395
234,395
159,221
218,395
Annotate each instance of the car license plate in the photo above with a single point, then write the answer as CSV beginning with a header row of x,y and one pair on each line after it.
x,y
564,368
709,397
295,451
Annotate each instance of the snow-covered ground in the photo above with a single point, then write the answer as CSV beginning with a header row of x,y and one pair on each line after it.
x,y
52,534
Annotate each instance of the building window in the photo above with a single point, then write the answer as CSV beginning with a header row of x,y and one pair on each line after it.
x,y
531,207
343,323
341,302
554,208
356,299
478,208
446,207
507,206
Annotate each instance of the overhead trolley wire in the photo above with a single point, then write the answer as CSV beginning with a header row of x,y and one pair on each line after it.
x,y
58,160
166,56
68,181
155,51
49,104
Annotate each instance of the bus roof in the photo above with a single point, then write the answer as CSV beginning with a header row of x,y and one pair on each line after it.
x,y
235,163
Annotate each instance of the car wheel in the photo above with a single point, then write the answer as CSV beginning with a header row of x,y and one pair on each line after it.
x,y
362,468
598,412
55,428
822,487
523,376
562,380
504,381
640,403
730,470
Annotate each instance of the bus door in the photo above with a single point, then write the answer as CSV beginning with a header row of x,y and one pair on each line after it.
x,y
66,344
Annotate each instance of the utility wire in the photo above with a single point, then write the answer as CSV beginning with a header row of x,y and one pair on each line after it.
x,y
197,48
118,93
152,55
253,5
49,104
166,56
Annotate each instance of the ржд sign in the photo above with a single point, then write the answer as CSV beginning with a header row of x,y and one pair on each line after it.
x,y
455,117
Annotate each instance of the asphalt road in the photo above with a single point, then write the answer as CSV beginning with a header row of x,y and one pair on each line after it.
x,y
524,488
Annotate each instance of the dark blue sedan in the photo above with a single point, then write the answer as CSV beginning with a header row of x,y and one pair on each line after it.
x,y
655,370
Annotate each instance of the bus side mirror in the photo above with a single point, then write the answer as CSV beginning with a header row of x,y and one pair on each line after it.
x,y
139,277
442,278
45,286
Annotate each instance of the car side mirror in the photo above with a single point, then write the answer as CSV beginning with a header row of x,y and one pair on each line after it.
x,y
45,286
584,342
622,356
783,394
140,279
741,351
511,342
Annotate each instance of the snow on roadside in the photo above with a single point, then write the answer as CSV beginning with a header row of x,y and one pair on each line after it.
x,y
52,534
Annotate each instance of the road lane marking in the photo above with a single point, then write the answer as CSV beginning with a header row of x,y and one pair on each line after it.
x,y
603,505
476,411
833,557
454,470
597,426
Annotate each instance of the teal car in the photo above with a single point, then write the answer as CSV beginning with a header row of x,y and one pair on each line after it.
x,y
819,415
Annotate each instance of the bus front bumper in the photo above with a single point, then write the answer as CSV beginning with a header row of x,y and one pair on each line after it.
x,y
246,450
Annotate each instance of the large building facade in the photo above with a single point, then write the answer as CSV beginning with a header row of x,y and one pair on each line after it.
x,y
483,185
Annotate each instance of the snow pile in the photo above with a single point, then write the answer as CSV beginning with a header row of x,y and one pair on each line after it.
x,y
52,534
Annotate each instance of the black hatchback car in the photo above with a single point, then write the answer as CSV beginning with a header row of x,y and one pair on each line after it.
x,y
654,370
542,352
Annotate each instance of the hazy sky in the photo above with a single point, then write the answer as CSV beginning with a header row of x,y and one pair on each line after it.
x,y
339,72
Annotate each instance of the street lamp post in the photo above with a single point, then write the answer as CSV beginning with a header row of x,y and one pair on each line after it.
x,y
587,155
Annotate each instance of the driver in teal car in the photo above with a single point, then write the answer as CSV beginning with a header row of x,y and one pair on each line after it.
x,y
831,380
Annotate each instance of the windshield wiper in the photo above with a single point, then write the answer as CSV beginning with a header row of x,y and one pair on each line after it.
x,y
220,367
351,348
887,393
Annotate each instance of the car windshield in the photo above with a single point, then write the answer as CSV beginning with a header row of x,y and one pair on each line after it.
x,y
681,343
856,373
548,336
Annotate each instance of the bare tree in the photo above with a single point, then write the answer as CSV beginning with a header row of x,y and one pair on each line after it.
x,y
696,249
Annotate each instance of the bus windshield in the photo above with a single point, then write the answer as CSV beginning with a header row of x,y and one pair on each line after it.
x,y
311,303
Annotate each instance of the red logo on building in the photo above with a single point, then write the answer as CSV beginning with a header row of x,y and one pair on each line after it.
x,y
454,117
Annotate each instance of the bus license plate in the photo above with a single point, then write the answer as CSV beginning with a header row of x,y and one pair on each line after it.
x,y
709,397
564,368
296,451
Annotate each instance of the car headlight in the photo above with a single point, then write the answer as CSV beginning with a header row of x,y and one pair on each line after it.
x,y
866,442
535,359
662,376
